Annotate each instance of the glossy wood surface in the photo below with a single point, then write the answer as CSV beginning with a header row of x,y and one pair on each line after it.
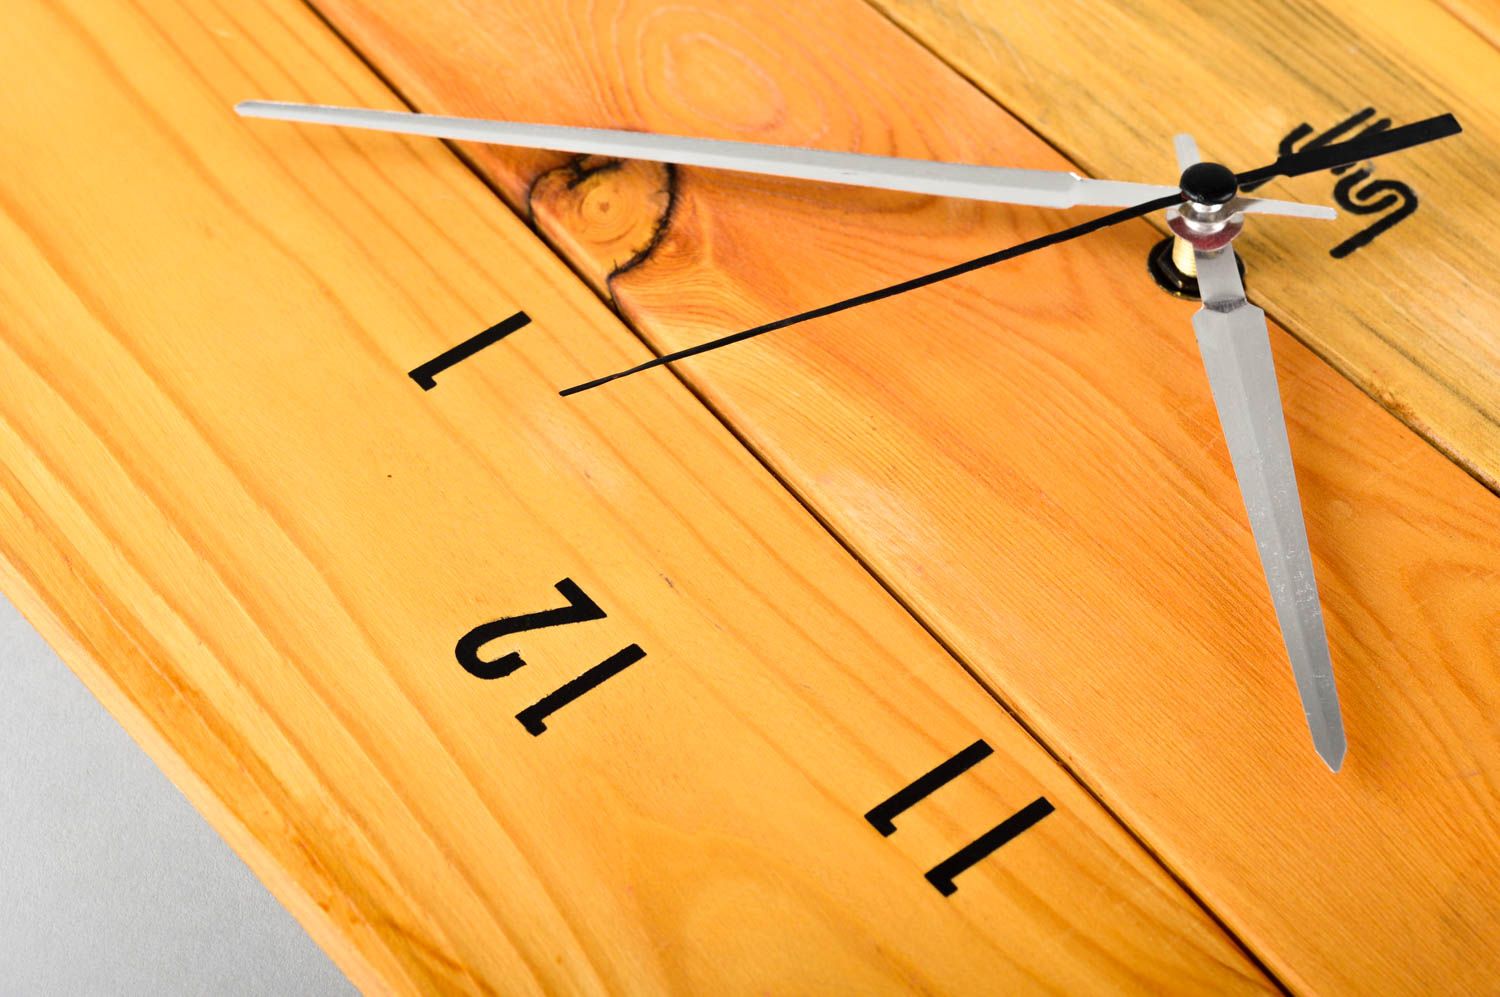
x,y
225,502
1030,459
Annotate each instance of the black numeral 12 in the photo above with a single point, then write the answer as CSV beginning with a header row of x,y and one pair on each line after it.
x,y
580,609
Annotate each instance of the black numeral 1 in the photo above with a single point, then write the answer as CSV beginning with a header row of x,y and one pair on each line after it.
x,y
580,609
882,816
425,374
534,717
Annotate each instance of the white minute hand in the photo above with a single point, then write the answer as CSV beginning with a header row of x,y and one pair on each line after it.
x,y
1042,188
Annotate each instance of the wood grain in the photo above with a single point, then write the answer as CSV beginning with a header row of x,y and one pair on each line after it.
x,y
1412,317
257,541
1030,458
1481,15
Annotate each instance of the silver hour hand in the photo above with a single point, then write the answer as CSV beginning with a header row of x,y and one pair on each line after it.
x,y
1236,348
1041,188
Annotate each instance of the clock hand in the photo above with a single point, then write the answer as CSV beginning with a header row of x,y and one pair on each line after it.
x,y
1235,344
1236,349
1051,239
1354,150
1040,188
1186,148
1336,154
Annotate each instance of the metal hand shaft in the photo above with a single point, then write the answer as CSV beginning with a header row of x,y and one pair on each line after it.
x,y
1236,348
1040,188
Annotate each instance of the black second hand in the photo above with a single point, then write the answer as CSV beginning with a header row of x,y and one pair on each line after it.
x,y
958,269
1327,157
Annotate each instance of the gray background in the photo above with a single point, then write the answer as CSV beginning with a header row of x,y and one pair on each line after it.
x,y
110,882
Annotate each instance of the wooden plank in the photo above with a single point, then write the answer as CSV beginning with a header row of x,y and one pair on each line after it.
x,y
1031,459
1411,316
1481,15
225,501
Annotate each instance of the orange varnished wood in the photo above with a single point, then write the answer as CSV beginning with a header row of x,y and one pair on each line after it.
x,y
257,541
1031,460
1412,318
1481,15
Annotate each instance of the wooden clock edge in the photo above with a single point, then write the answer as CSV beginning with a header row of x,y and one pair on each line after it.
x,y
45,609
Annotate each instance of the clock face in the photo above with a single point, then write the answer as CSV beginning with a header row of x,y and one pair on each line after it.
x,y
923,646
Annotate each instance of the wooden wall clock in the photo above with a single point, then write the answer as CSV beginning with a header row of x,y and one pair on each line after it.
x,y
922,647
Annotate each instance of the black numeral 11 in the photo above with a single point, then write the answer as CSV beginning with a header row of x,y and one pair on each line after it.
x,y
882,817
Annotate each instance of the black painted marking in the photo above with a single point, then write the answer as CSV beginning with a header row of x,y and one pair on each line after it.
x,y
534,717
425,374
1364,201
883,816
579,609
941,876
1393,197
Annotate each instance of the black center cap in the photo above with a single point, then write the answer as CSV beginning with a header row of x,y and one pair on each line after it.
x,y
1209,183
